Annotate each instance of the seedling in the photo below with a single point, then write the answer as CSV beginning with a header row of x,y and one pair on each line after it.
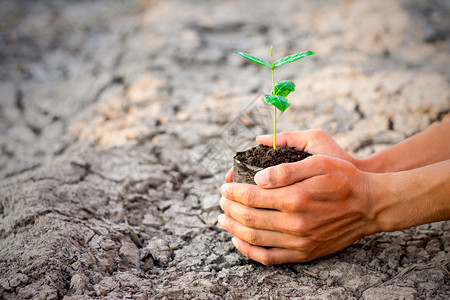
x,y
282,89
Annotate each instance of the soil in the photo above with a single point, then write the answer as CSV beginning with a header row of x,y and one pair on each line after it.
x,y
119,119
264,156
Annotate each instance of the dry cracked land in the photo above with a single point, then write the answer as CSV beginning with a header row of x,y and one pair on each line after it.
x,y
119,119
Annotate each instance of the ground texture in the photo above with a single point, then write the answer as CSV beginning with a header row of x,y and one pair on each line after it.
x,y
119,119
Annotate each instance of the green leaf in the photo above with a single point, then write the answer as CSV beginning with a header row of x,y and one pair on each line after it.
x,y
251,58
278,101
291,58
284,88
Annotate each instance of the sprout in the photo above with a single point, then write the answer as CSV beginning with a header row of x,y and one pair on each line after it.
x,y
282,89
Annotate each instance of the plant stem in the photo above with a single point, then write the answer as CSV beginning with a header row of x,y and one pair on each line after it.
x,y
273,93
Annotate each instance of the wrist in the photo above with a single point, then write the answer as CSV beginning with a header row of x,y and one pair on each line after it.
x,y
370,164
385,202
371,192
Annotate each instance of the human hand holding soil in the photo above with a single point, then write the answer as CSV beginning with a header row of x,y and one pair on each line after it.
x,y
315,141
322,204
322,207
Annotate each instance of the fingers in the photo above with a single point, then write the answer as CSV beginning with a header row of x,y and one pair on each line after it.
x,y
315,141
253,196
260,237
268,257
263,218
249,216
287,174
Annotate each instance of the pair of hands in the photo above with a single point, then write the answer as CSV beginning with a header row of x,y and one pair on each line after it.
x,y
300,211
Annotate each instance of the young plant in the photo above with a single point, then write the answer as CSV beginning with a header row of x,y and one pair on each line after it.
x,y
282,89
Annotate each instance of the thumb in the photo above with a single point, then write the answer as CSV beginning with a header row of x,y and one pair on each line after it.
x,y
290,173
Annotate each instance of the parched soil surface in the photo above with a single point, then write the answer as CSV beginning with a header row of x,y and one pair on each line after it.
x,y
119,119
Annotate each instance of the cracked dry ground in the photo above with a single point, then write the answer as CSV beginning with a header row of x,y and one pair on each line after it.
x,y
118,120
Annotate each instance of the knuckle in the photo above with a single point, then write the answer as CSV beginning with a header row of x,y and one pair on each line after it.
x,y
278,174
321,163
297,204
247,218
308,247
266,259
248,196
270,174
283,172
285,134
320,133
292,206
317,237
299,228
253,237
293,203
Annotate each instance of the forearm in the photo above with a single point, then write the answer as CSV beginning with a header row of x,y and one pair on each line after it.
x,y
410,198
428,147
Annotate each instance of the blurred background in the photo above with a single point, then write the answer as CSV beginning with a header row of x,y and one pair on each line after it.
x,y
114,72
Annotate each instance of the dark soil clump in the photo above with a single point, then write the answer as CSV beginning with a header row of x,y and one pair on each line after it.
x,y
264,156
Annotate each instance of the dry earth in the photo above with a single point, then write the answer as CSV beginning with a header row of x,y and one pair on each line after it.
x,y
118,120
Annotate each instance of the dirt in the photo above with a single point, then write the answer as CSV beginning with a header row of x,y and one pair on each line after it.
x,y
264,156
119,121
247,163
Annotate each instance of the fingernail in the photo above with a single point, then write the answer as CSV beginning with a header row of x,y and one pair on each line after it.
x,y
220,219
221,202
261,178
224,189
234,241
226,177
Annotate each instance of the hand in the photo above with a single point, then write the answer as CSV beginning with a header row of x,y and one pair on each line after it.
x,y
301,210
315,141
312,141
